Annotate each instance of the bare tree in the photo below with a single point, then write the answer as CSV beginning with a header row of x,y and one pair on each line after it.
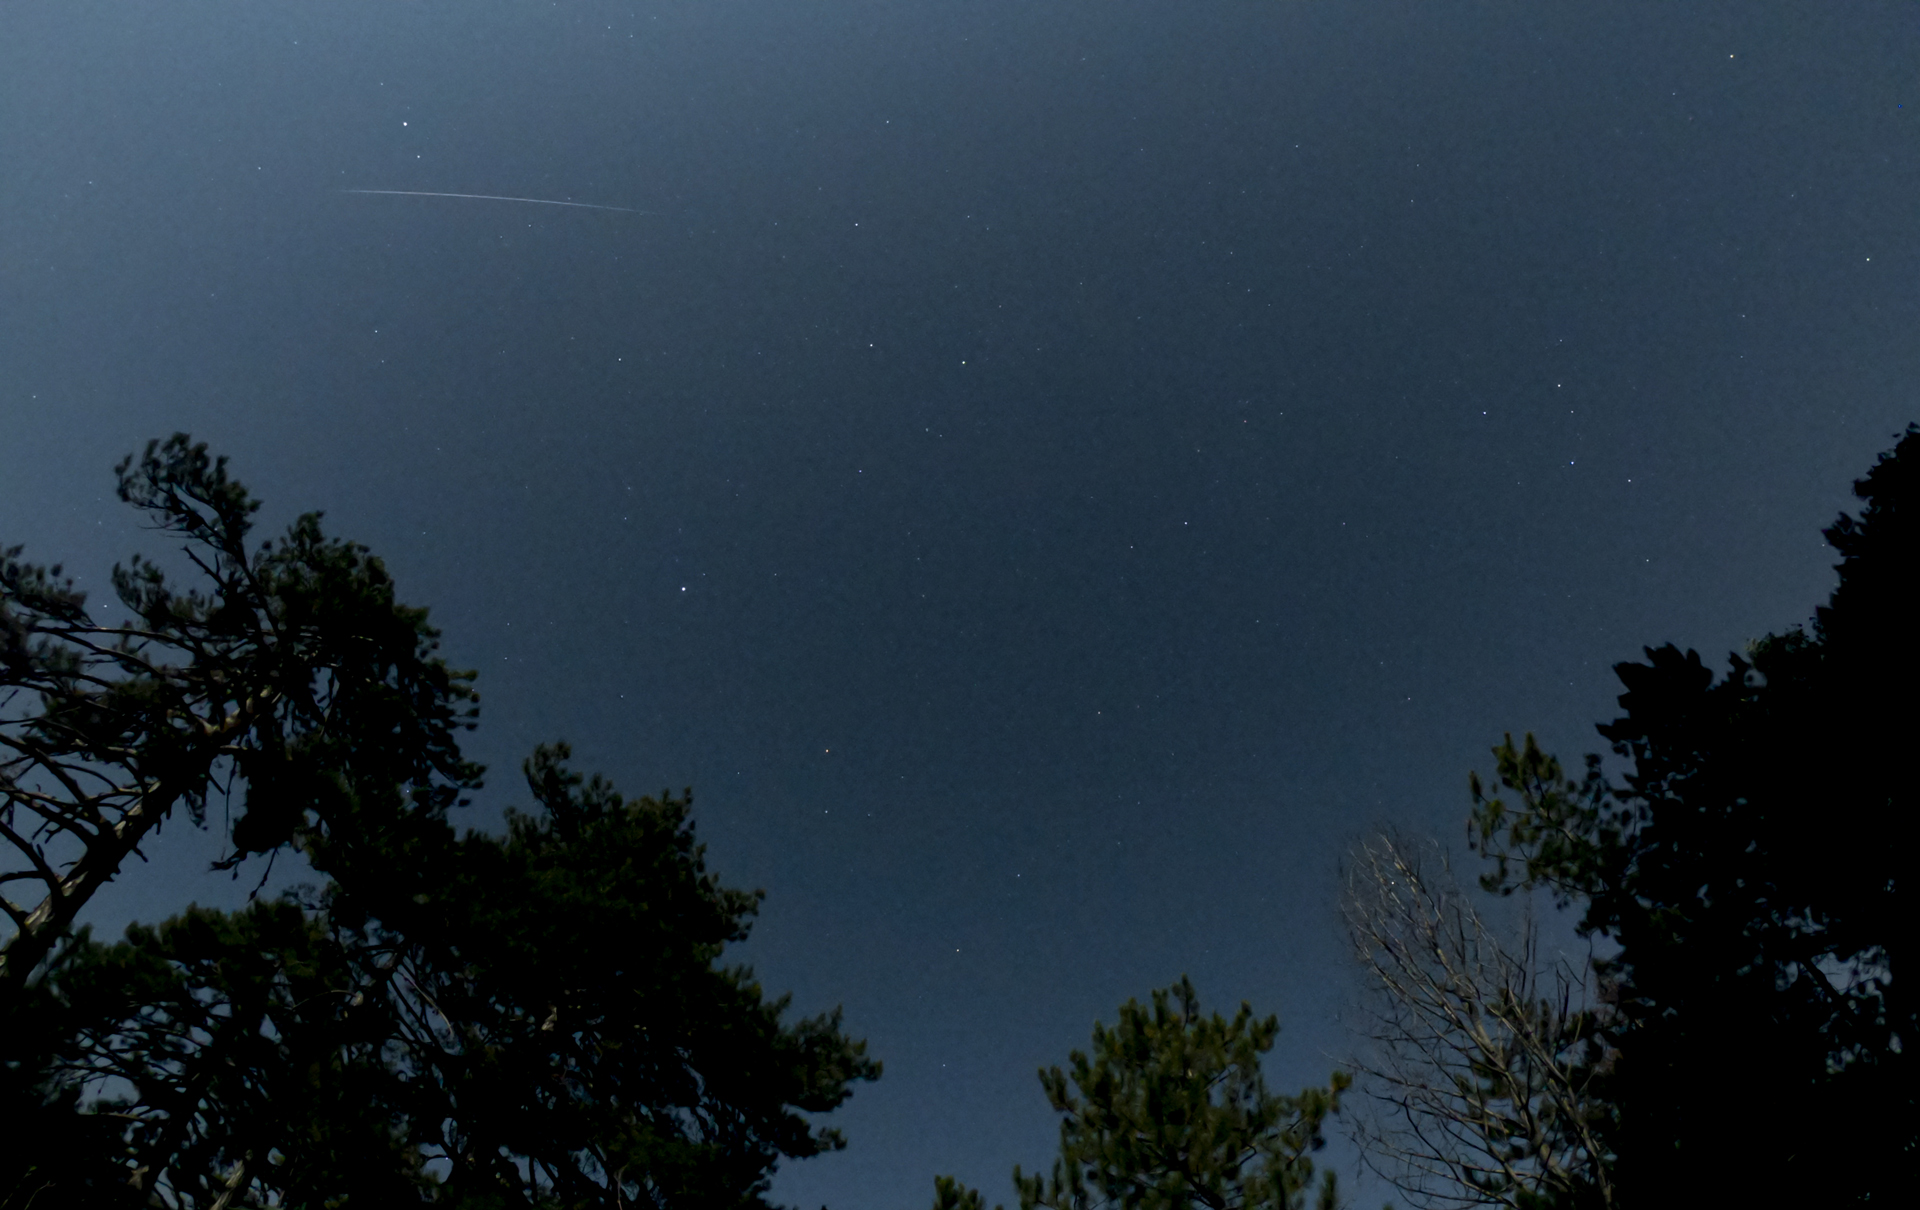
x,y
1482,1060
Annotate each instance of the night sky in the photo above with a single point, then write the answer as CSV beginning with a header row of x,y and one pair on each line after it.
x,y
1049,476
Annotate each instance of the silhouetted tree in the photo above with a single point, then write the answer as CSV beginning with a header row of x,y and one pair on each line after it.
x,y
1171,1112
292,665
538,1019
1747,866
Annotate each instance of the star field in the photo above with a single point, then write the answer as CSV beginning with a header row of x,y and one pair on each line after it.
x,y
1048,477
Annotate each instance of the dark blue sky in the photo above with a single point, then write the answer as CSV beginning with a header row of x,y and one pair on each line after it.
x,y
1048,475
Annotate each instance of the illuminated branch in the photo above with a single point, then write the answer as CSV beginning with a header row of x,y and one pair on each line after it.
x,y
1482,1065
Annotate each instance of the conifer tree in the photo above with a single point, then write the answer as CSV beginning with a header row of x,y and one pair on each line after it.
x,y
291,665
1746,873
1172,1112
540,1019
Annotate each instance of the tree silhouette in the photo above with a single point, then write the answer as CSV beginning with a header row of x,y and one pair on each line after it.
x,y
535,1019
1748,870
292,666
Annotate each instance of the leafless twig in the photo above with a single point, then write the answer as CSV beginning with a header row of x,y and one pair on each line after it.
x,y
1480,1062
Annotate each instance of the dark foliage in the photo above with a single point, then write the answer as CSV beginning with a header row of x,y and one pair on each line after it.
x,y
1748,869
293,666
539,1019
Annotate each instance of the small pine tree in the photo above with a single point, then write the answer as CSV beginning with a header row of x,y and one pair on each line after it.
x,y
1171,1112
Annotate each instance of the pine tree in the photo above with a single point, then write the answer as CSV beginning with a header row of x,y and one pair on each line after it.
x,y
535,1019
1172,1112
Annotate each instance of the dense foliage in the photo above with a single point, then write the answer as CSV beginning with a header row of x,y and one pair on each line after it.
x,y
291,665
535,1019
1745,872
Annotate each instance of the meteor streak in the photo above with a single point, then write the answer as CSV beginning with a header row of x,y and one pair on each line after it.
x,y
490,197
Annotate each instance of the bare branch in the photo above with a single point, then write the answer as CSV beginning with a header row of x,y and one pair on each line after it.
x,y
1481,1062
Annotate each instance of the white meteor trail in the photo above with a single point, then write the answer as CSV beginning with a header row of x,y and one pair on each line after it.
x,y
489,197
